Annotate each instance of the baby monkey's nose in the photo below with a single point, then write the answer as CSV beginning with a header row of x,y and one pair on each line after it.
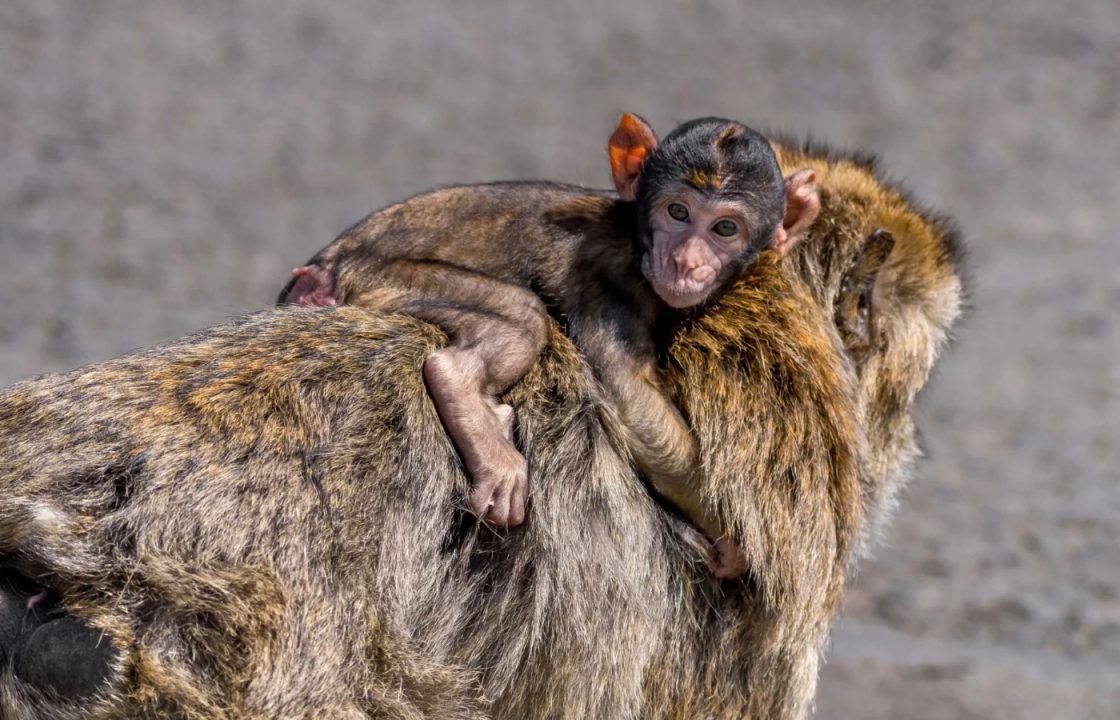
x,y
689,255
702,274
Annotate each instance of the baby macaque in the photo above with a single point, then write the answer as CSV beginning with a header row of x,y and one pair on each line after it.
x,y
490,263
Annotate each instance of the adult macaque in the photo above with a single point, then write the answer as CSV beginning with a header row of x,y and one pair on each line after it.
x,y
260,520
488,263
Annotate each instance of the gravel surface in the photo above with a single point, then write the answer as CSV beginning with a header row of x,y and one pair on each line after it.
x,y
164,164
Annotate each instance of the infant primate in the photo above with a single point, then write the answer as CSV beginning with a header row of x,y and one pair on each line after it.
x,y
488,263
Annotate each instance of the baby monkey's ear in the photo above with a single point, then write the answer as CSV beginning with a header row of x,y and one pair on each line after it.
x,y
803,203
629,147
310,285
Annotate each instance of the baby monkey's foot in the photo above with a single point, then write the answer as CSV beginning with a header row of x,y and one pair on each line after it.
x,y
728,559
498,491
482,430
499,485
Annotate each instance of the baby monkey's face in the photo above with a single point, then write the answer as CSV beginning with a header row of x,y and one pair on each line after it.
x,y
696,242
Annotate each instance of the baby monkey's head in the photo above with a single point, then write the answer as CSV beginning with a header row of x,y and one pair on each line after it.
x,y
710,197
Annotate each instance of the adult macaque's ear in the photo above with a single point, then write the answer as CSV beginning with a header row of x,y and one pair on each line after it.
x,y
855,302
803,203
629,147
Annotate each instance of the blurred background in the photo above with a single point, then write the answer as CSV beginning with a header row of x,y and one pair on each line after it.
x,y
164,164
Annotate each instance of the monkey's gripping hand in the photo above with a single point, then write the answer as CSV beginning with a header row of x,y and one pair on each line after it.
x,y
728,559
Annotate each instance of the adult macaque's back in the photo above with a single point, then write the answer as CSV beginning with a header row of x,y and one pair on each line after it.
x,y
266,519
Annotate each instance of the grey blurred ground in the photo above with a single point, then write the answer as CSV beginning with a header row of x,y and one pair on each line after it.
x,y
164,165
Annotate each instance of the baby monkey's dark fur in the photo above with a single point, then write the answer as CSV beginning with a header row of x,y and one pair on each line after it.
x,y
489,264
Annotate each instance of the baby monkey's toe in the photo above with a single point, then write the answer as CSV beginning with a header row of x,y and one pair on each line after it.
x,y
498,494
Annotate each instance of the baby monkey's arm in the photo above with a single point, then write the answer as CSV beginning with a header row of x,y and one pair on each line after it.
x,y
660,441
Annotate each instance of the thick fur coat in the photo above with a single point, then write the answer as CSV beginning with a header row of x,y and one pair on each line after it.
x,y
266,519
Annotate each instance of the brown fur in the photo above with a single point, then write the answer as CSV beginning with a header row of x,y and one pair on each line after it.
x,y
266,518
919,294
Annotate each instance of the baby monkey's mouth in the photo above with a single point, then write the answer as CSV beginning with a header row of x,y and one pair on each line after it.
x,y
684,293
677,293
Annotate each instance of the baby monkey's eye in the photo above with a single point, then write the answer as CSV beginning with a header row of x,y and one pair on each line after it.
x,y
678,212
725,228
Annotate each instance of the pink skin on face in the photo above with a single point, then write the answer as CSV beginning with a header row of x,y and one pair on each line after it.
x,y
692,247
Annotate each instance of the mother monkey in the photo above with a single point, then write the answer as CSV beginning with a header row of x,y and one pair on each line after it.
x,y
261,521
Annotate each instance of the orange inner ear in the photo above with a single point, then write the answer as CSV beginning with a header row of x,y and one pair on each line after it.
x,y
629,146
627,161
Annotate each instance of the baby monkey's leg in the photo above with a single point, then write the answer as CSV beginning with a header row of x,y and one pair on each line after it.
x,y
497,331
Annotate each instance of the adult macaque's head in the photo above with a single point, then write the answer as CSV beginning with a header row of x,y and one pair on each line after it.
x,y
710,198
